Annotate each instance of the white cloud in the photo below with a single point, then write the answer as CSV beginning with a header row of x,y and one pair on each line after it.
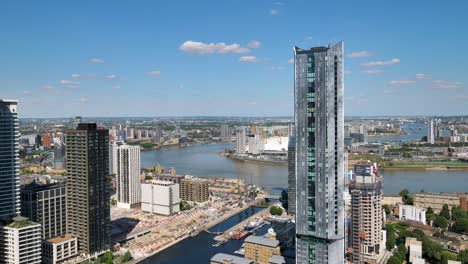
x,y
441,84
402,82
278,3
26,92
252,103
291,61
254,44
248,59
277,68
381,63
388,92
347,72
48,87
308,38
83,99
274,12
422,76
154,73
114,77
373,72
68,82
83,76
116,87
359,54
96,60
200,48
70,86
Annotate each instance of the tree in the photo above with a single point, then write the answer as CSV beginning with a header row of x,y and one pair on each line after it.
x,y
441,222
107,258
461,225
127,256
429,211
284,198
391,240
404,193
463,256
445,212
275,210
394,260
386,208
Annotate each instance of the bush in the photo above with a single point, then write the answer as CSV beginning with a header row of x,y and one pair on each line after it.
x,y
441,222
275,210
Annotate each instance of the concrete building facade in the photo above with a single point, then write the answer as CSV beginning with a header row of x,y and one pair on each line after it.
x,y
292,175
160,197
430,131
194,190
21,241
366,190
319,122
437,201
261,249
88,187
412,213
127,177
59,249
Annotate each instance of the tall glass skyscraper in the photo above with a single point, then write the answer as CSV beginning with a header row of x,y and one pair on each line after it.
x,y
319,154
9,160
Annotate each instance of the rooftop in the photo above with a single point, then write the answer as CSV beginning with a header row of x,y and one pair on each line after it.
x,y
60,239
21,222
275,259
226,258
262,241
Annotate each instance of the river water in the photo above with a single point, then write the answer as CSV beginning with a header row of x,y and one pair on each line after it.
x,y
203,161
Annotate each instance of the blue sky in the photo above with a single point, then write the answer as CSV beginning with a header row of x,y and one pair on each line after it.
x,y
160,58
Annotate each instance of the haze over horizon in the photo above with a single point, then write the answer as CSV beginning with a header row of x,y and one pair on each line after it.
x,y
229,59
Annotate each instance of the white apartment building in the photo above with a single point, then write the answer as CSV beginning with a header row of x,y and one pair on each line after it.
x,y
160,197
59,249
127,175
413,213
430,131
21,241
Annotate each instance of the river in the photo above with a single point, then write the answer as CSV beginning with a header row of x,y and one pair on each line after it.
x,y
203,161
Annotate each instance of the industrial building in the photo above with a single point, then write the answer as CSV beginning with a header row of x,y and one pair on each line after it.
x,y
160,197
319,122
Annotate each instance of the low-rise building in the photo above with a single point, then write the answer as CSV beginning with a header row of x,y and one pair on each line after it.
x,y
23,240
169,177
275,259
392,199
59,249
261,249
437,201
412,213
414,249
160,197
194,190
222,258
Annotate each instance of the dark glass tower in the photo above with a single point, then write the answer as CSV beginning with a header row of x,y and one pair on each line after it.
x,y
9,160
88,190
292,175
319,154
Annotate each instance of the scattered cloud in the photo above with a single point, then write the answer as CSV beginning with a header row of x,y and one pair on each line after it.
x,y
114,77
83,99
422,76
96,60
373,72
201,48
381,63
401,82
460,97
388,92
48,87
68,82
274,12
291,61
277,68
83,76
252,103
70,86
254,44
26,92
278,3
347,72
441,84
359,54
308,38
154,73
248,59
116,87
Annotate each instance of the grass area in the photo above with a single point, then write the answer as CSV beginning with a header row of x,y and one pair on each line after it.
x,y
21,224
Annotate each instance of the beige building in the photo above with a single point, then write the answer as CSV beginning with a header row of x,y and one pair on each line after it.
x,y
59,249
392,199
194,190
260,249
437,201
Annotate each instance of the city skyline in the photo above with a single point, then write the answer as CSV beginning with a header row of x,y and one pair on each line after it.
x,y
77,60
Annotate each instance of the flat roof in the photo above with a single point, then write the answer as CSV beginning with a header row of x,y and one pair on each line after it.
x,y
275,259
60,239
223,258
262,241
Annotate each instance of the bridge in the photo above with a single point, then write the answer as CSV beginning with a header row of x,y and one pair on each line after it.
x,y
272,197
